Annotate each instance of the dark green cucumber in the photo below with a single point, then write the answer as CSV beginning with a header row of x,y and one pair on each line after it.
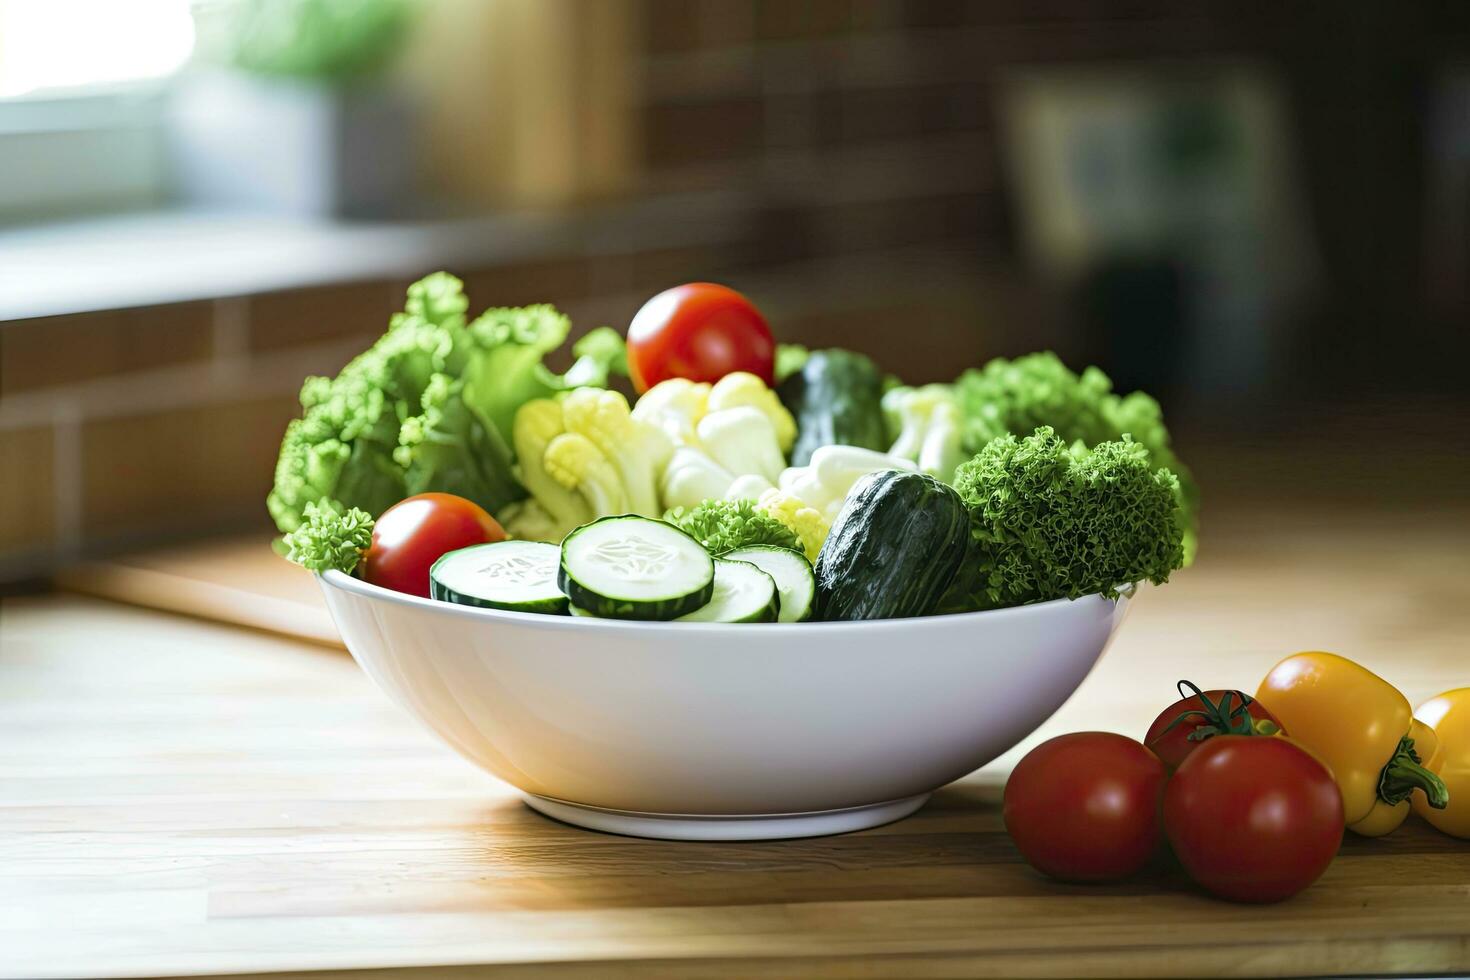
x,y
893,549
631,567
836,399
517,575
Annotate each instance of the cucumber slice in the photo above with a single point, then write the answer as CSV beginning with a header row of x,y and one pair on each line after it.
x,y
518,575
580,612
635,568
795,583
743,594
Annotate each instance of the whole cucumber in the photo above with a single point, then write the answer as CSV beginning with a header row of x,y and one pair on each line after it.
x,y
895,547
836,399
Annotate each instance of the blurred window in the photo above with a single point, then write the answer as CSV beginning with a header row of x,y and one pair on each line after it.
x,y
102,42
81,105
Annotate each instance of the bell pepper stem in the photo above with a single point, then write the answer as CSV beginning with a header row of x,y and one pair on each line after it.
x,y
1404,774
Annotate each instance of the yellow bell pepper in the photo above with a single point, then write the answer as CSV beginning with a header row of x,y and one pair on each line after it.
x,y
1385,818
1449,717
1359,725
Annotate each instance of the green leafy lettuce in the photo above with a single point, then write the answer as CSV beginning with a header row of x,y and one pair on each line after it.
x,y
428,407
724,525
1017,396
1051,521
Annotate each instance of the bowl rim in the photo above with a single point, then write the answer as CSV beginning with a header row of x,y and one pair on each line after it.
x,y
348,583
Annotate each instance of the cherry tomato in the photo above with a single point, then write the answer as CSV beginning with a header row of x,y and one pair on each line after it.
x,y
1205,714
1085,807
1253,819
413,533
699,331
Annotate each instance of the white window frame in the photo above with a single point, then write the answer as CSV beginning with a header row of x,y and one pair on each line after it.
x,y
82,152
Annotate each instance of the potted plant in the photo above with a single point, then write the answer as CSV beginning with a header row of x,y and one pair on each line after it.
x,y
288,108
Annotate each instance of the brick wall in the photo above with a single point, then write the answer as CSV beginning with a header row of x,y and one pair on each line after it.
x,y
125,426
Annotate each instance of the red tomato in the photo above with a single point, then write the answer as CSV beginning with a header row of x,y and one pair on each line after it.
x,y
1215,712
413,533
1085,807
1253,819
699,331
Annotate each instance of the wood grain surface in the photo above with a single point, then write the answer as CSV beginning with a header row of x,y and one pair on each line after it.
x,y
237,580
182,797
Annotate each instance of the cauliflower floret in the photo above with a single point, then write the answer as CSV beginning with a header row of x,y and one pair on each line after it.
x,y
537,423
742,440
825,481
807,523
638,450
748,487
675,406
691,478
743,389
577,464
928,428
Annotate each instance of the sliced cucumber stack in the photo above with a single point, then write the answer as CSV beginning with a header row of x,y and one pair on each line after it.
x,y
792,573
517,575
634,568
743,594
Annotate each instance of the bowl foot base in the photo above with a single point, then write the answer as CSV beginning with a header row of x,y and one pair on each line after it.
x,y
694,826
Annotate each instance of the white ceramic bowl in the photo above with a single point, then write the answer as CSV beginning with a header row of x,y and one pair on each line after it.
x,y
706,731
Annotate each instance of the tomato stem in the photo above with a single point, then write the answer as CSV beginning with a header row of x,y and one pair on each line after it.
x,y
1221,718
1404,774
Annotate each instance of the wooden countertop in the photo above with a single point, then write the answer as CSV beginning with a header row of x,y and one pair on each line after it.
x,y
184,797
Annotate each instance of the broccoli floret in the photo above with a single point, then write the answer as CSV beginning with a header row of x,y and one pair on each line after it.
x,y
330,538
724,525
1049,522
1017,396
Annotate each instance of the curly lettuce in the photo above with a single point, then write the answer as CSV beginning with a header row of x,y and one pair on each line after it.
x,y
1050,520
329,538
1017,396
724,525
429,406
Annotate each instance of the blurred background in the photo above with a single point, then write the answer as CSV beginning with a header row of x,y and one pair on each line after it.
x,y
1257,211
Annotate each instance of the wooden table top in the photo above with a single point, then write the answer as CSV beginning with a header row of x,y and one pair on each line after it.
x,y
184,797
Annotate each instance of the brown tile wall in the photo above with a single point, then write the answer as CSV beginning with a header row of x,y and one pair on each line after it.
x,y
27,498
825,75
56,350
185,469
301,316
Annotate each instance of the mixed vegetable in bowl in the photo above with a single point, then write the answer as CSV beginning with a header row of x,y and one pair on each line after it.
x,y
746,482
